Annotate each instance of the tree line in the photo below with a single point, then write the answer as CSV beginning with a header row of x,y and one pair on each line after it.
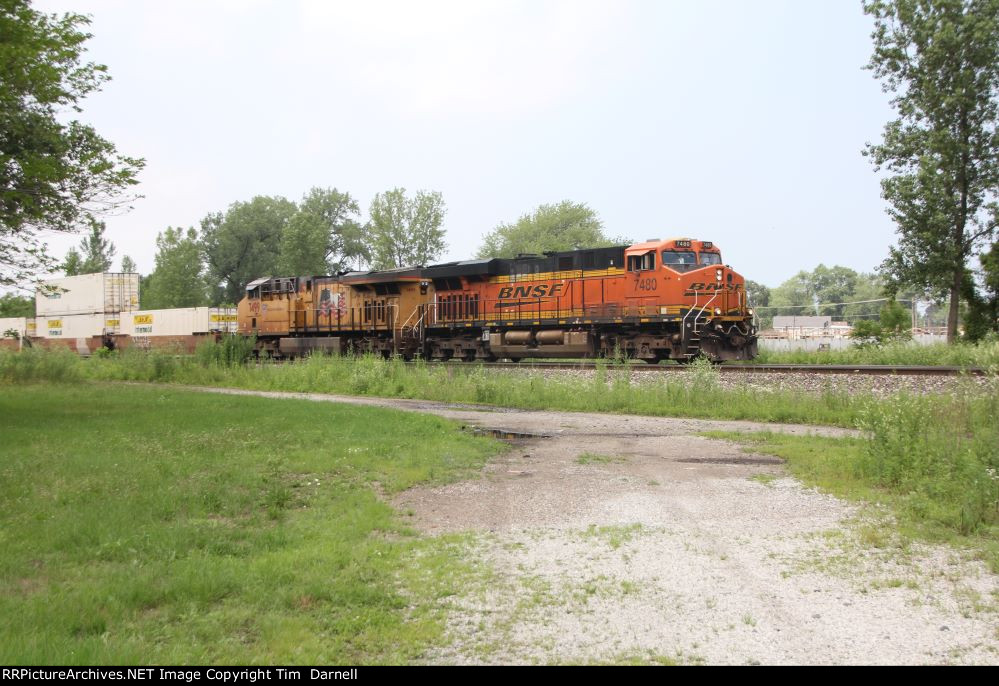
x,y
321,234
851,296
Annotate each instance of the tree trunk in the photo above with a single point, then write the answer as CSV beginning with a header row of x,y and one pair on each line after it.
x,y
955,303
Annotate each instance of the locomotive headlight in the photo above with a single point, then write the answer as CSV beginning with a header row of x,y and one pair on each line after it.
x,y
750,312
718,275
717,311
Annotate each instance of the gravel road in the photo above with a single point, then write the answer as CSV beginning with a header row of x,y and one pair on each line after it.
x,y
632,539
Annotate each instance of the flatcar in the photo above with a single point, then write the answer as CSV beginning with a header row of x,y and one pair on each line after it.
x,y
662,299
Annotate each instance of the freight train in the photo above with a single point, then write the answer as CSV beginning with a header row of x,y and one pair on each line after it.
x,y
662,299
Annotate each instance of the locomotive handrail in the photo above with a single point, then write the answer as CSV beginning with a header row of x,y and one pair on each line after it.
x,y
699,313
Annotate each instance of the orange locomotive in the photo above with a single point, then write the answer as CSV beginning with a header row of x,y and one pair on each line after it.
x,y
671,299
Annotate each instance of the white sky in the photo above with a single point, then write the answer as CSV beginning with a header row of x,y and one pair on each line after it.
x,y
732,121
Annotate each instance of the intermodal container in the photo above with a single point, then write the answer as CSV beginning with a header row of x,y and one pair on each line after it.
x,y
71,326
186,321
88,294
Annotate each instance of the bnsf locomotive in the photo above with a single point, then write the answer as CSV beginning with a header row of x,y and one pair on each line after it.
x,y
658,300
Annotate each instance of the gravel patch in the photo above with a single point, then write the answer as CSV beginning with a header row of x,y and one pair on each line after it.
x,y
876,384
648,558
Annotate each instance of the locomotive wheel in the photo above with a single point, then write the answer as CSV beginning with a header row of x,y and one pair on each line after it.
x,y
514,359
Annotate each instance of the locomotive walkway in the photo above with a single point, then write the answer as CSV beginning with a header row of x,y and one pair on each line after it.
x,y
620,538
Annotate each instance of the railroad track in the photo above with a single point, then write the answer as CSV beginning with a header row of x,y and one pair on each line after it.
x,y
859,369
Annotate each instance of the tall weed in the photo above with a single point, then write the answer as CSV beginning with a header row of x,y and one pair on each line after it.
x,y
940,453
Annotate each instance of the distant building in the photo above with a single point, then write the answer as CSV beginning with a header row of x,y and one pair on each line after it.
x,y
800,322
794,327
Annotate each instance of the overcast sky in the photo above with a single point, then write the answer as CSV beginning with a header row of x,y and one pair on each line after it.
x,y
732,121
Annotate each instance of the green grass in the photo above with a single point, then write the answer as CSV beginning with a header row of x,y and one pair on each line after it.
x,y
984,355
615,535
596,458
939,483
697,393
763,478
159,526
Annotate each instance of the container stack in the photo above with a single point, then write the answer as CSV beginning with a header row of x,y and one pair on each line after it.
x,y
13,330
81,312
89,311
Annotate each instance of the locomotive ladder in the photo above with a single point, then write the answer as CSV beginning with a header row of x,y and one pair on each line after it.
x,y
414,330
692,342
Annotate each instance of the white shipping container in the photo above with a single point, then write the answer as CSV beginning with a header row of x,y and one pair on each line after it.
x,y
18,324
222,319
71,326
185,321
88,294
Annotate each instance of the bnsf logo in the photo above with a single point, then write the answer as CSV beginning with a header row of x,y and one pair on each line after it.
x,y
714,287
545,290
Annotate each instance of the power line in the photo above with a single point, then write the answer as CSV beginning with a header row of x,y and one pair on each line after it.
x,y
855,302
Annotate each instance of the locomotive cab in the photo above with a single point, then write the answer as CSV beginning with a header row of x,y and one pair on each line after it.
x,y
687,277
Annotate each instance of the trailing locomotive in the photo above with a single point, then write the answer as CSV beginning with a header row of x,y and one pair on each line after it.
x,y
671,299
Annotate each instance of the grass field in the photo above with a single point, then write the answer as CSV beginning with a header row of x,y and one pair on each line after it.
x,y
610,389
984,355
147,525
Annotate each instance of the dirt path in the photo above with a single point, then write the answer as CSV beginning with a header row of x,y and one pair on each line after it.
x,y
622,538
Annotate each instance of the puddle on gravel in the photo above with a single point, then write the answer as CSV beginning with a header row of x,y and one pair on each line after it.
x,y
505,434
730,460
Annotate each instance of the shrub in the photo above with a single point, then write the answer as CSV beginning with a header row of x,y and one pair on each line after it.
x,y
942,455
229,351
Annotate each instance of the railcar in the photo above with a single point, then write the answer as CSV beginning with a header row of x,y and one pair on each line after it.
x,y
657,300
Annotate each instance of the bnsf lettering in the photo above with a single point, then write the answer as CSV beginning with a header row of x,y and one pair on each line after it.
x,y
544,290
694,287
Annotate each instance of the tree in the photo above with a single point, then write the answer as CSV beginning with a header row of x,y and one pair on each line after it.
x,y
757,295
127,265
324,236
97,251
817,293
178,279
794,296
406,232
54,175
73,264
868,287
549,228
894,324
940,60
832,285
990,286
16,306
981,316
244,244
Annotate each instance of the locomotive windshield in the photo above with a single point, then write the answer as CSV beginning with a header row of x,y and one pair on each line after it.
x,y
679,260
710,258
